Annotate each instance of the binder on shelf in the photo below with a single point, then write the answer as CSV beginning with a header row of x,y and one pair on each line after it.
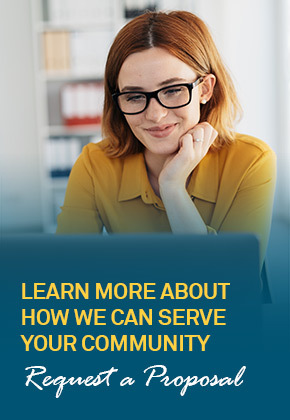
x,y
79,11
61,154
56,47
59,11
82,103
89,50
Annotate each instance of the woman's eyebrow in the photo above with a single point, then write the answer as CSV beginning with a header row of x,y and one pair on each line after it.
x,y
131,88
171,81
164,83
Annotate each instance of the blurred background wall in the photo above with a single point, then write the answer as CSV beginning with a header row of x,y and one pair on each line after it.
x,y
19,157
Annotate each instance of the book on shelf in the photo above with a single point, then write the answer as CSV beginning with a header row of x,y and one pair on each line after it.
x,y
56,47
80,52
82,103
88,50
79,11
60,155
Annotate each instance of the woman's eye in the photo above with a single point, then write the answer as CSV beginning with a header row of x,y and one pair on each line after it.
x,y
173,91
134,98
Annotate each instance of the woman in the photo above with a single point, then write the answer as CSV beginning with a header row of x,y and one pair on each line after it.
x,y
170,161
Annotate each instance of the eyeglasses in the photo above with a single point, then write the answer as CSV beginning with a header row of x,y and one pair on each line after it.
x,y
174,96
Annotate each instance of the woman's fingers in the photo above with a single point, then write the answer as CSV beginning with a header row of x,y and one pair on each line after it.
x,y
194,145
203,134
198,135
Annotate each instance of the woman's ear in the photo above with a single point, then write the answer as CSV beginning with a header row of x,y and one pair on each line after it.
x,y
207,88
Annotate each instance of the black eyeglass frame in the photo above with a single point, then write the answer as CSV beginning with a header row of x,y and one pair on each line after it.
x,y
154,94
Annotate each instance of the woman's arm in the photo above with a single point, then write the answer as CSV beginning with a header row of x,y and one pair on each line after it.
x,y
182,214
79,213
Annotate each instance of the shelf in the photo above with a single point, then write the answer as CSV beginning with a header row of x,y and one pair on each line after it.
x,y
81,62
83,130
67,76
77,26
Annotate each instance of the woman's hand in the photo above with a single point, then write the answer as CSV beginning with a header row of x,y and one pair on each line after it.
x,y
182,214
194,145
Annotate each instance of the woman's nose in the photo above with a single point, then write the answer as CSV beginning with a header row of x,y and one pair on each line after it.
x,y
155,112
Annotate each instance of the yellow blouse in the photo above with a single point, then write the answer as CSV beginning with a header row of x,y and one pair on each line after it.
x,y
232,188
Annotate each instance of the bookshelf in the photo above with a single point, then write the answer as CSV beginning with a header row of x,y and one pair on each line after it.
x,y
71,39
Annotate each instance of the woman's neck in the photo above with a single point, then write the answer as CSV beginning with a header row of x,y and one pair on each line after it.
x,y
154,165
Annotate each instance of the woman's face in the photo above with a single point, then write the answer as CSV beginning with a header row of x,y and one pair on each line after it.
x,y
157,128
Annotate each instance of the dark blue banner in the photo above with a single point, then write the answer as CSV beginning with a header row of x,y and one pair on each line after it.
x,y
151,326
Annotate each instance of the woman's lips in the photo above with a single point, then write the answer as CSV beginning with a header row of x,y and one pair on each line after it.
x,y
161,131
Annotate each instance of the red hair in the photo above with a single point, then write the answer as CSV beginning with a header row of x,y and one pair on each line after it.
x,y
186,37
